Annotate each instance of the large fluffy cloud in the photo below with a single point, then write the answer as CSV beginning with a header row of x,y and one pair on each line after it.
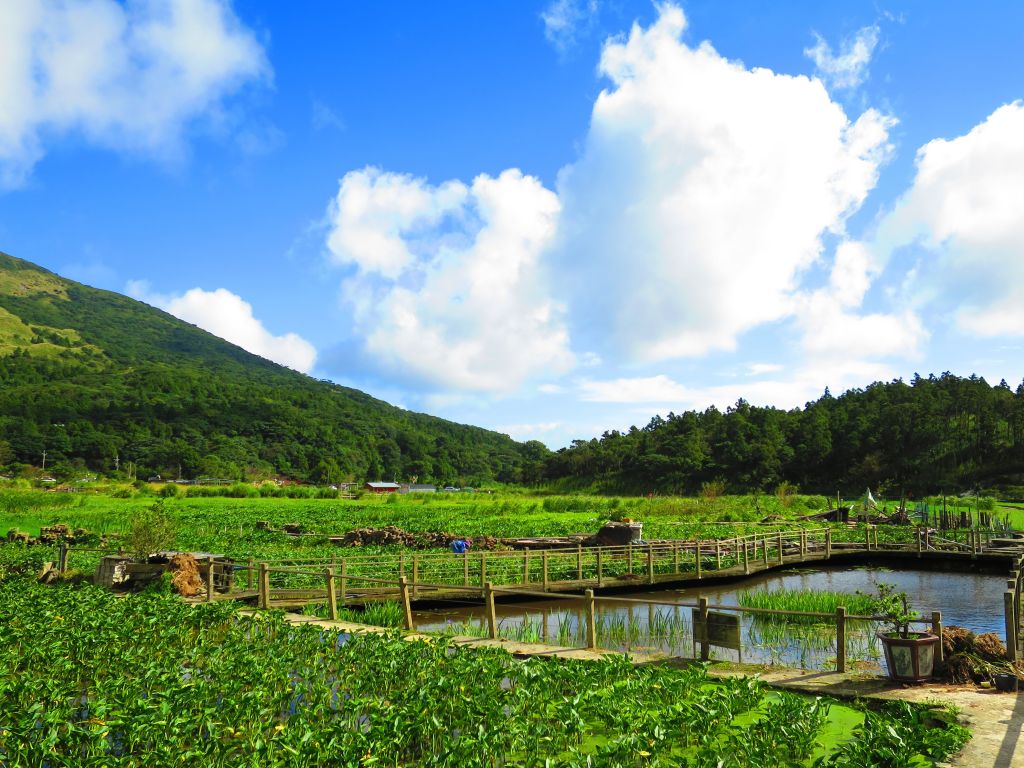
x,y
964,208
230,317
703,191
126,75
447,283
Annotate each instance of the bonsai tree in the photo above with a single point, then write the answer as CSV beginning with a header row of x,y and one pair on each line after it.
x,y
895,608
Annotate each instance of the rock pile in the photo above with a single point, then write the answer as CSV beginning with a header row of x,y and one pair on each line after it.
x,y
391,534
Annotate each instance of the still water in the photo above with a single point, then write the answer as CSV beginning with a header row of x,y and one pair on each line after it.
x,y
968,600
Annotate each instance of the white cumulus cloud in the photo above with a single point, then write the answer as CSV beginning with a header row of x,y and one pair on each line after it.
x,y
703,192
964,209
230,317
448,284
650,389
125,75
848,68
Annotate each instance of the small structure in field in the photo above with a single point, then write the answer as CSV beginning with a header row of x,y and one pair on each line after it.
x,y
379,487
120,572
417,488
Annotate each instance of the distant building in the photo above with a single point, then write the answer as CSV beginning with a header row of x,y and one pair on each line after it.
x,y
417,488
382,487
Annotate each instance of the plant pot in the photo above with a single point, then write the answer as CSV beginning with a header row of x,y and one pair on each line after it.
x,y
909,659
1006,683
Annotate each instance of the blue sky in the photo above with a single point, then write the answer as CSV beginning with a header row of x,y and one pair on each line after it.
x,y
549,218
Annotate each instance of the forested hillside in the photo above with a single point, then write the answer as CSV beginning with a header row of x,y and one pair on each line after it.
x,y
96,380
934,433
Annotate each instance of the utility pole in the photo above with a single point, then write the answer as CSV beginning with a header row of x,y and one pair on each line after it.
x,y
44,458
117,461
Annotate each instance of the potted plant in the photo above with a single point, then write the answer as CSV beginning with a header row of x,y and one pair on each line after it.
x,y
909,656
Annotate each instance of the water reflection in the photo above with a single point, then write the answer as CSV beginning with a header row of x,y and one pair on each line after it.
x,y
969,600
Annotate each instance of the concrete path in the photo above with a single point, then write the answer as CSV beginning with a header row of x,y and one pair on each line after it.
x,y
996,719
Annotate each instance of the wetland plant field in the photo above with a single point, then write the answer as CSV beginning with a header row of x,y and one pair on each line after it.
x,y
90,679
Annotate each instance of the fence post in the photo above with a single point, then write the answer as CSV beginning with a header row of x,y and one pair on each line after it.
x,y
401,562
544,568
492,619
344,583
600,573
718,555
209,581
841,638
62,558
591,620
1014,586
764,550
483,568
332,595
465,569
403,588
629,554
702,617
263,601
526,565
415,574
937,630
675,557
579,562
867,537
700,575
918,542
828,543
650,563
248,575
746,558
782,559
1011,625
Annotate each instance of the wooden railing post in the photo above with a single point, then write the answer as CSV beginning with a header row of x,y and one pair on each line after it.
x,y
62,558
1010,619
650,563
803,545
629,554
937,631
483,568
465,569
918,542
544,568
702,617
492,619
401,563
782,559
841,638
249,575
764,550
403,589
718,555
867,537
746,557
700,575
579,562
600,574
332,595
828,543
263,600
344,583
415,574
526,565
675,557
209,581
591,619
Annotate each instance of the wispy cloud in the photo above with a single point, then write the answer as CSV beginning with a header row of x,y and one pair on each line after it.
x,y
566,21
849,68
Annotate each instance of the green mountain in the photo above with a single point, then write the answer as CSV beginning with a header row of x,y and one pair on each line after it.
x,y
96,379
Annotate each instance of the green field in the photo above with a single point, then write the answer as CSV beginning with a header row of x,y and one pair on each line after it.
x,y
89,679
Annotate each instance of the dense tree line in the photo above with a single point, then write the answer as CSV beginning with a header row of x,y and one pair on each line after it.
x,y
935,433
100,381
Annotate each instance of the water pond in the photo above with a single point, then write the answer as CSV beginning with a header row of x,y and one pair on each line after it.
x,y
969,600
